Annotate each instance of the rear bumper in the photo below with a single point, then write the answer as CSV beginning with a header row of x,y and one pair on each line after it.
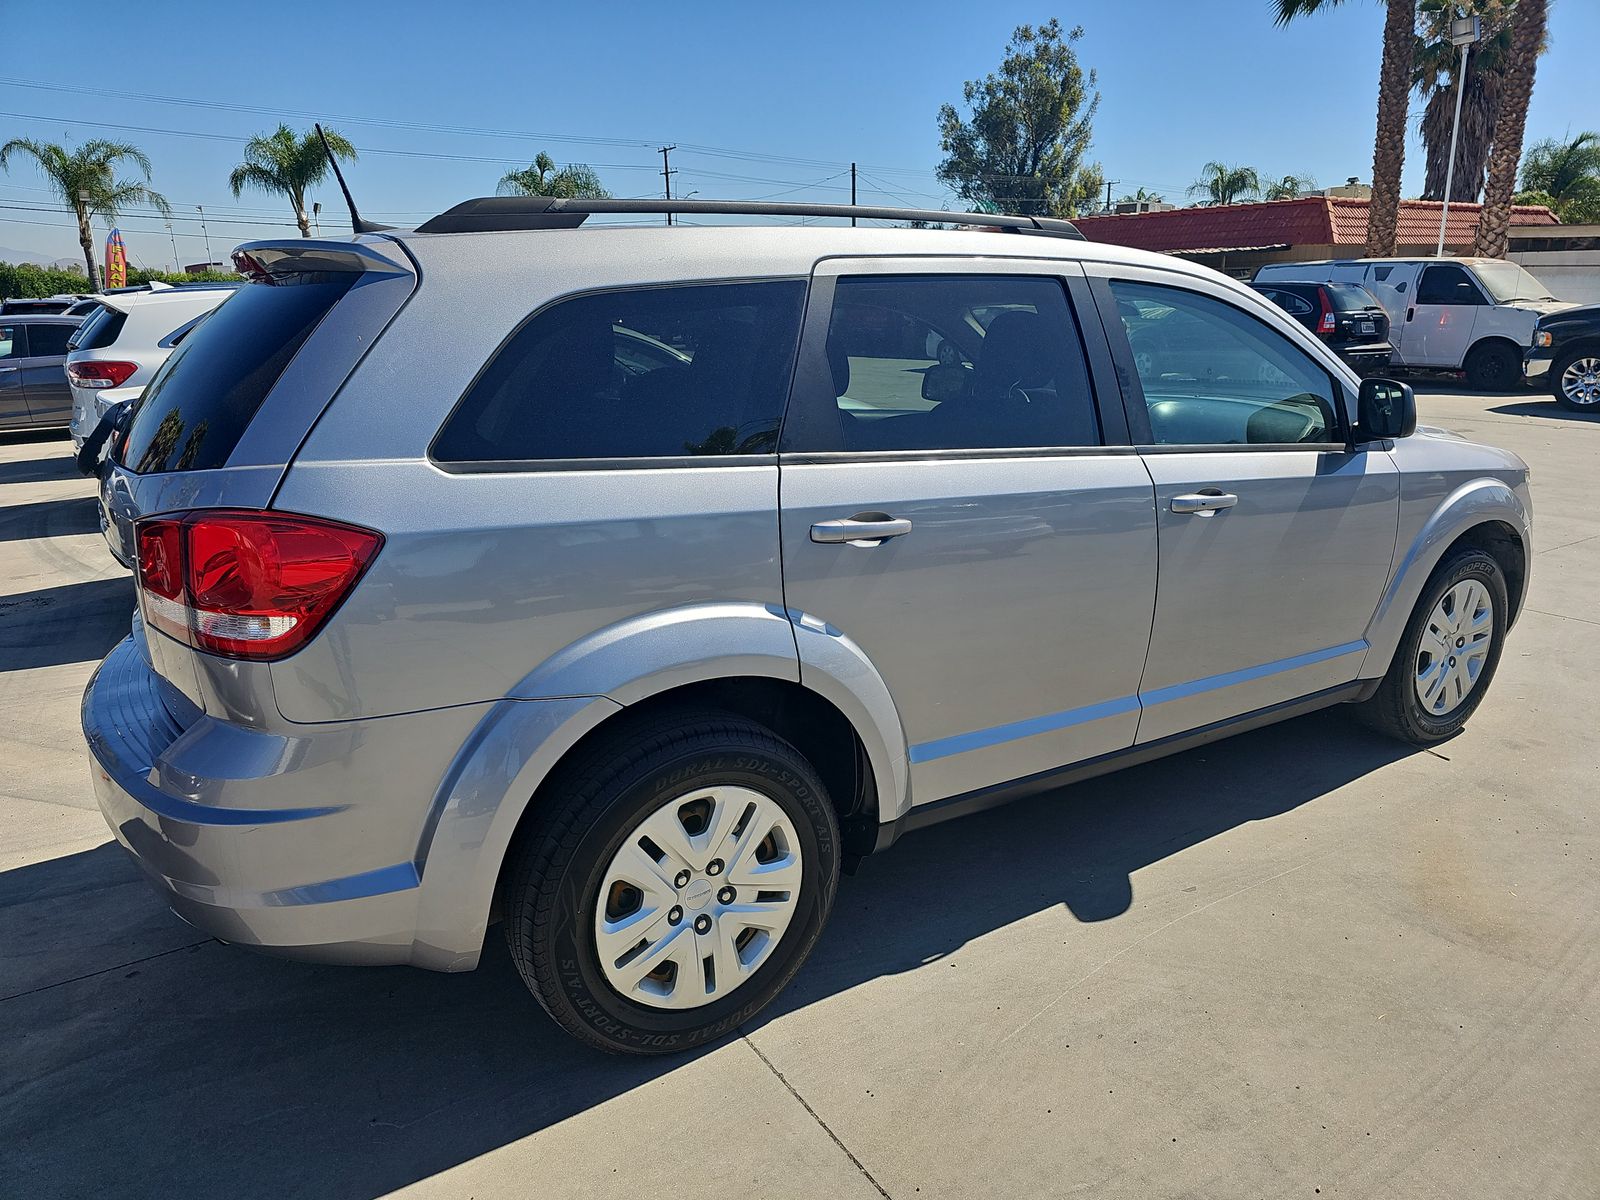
x,y
305,846
1366,356
90,404
1536,364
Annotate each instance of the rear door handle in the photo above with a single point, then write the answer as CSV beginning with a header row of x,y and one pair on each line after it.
x,y
869,529
1204,503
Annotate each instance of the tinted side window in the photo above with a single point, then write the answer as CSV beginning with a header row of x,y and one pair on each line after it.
x,y
204,396
1290,303
49,341
1446,283
697,369
1214,375
954,362
13,341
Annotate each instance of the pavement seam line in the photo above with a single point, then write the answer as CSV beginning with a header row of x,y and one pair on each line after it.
x,y
859,1165
45,987
1562,616
1566,545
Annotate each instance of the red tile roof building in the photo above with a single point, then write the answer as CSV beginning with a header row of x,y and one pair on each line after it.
x,y
1240,237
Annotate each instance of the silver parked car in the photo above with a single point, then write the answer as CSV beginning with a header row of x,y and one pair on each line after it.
x,y
628,583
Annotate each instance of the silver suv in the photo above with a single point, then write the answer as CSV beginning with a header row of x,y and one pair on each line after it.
x,y
626,584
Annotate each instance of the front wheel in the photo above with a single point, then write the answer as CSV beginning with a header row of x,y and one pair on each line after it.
x,y
674,885
1575,381
1493,367
1448,653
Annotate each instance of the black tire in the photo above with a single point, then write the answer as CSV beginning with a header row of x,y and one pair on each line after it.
x,y
1558,369
1395,708
560,862
1493,367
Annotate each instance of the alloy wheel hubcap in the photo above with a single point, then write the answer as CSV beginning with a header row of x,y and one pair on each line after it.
x,y
1454,647
1580,382
697,897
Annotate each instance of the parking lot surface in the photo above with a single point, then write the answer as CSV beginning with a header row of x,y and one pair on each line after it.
x,y
1304,961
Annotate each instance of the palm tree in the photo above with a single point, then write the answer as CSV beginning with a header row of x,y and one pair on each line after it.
x,y
1290,187
1527,36
84,180
1394,89
572,182
1564,175
1143,197
284,163
1225,184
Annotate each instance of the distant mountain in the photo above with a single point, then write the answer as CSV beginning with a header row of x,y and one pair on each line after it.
x,y
11,254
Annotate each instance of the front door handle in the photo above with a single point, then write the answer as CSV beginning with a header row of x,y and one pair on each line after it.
x,y
863,529
1205,503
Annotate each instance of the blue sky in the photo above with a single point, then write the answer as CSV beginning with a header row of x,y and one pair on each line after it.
x,y
777,99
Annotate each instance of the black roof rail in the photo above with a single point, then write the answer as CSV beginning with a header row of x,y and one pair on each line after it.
x,y
489,214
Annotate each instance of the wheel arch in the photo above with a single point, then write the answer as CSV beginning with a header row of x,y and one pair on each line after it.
x,y
1486,513
738,658
1489,340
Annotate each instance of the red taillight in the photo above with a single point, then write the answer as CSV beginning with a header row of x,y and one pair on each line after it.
x,y
101,374
253,585
1328,323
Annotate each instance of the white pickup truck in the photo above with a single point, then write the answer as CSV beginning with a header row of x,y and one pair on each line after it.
x,y
1454,314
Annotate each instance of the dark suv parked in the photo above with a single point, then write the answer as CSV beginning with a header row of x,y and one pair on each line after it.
x,y
1566,356
1344,315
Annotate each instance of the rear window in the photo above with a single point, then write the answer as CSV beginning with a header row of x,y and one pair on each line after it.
x,y
1346,296
666,372
99,331
202,399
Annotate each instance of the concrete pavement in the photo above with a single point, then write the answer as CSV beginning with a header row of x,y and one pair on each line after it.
x,y
1305,961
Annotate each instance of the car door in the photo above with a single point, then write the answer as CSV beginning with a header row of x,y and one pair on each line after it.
x,y
956,504
1440,320
44,372
1276,537
13,393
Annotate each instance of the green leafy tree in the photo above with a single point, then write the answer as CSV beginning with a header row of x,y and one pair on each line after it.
x,y
1022,147
1142,197
288,164
85,181
1528,29
575,181
1290,187
1564,176
1224,184
1436,65
1394,91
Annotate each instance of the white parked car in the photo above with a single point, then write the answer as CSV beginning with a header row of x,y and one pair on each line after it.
x,y
122,345
1455,314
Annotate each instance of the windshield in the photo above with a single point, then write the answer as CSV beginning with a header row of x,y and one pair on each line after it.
x,y
1506,282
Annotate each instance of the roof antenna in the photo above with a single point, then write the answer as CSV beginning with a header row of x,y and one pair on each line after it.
x,y
356,223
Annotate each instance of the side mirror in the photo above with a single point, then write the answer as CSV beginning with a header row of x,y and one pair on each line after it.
x,y
1385,409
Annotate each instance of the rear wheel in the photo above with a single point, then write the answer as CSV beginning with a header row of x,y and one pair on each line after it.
x,y
1448,654
675,885
1493,367
1575,381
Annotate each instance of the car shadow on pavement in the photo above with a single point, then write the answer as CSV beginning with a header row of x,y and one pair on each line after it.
x,y
197,1068
1545,408
49,518
70,623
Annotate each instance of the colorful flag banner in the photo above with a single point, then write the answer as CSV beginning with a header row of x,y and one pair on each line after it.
x,y
116,261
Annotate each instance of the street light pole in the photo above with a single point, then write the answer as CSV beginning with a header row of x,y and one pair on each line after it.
x,y
177,265
1464,31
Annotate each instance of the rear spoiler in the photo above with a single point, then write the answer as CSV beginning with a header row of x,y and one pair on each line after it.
x,y
278,262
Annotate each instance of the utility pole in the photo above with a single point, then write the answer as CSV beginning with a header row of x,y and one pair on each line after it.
x,y
852,192
177,265
201,210
667,173
1109,184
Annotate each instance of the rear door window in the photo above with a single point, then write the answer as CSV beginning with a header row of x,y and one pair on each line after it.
x,y
48,341
692,370
958,362
203,398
